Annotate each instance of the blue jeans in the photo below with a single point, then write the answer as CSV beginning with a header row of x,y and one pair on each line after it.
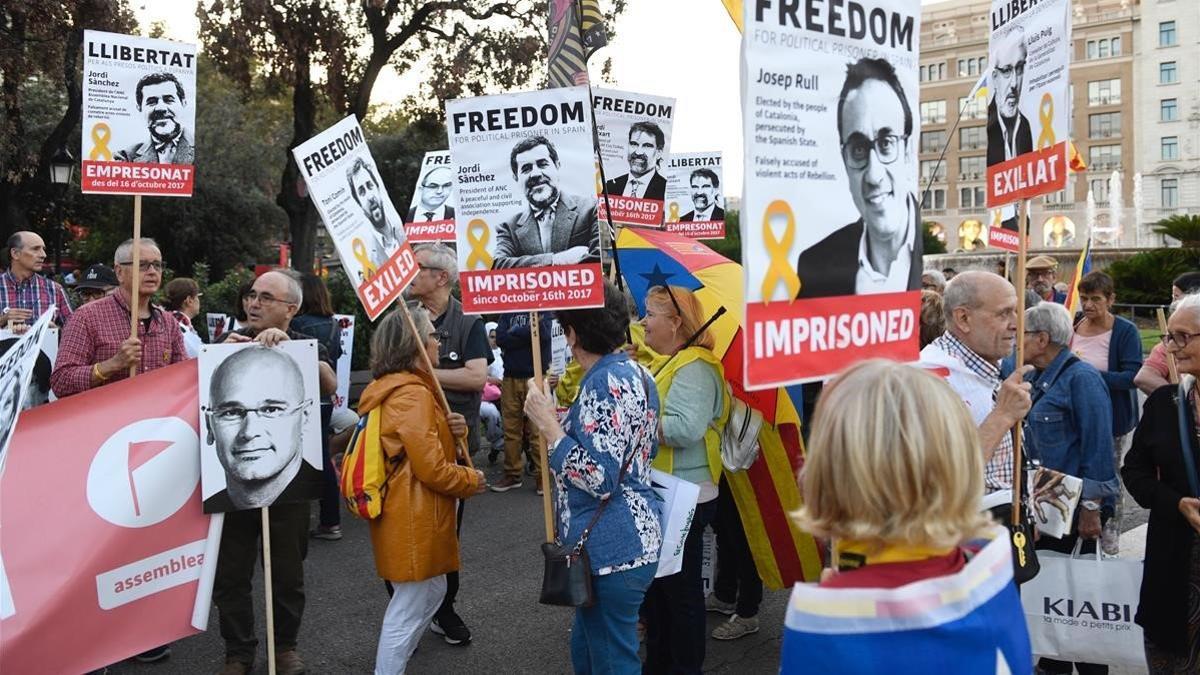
x,y
604,637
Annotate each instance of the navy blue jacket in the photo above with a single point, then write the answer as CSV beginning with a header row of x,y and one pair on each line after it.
x,y
516,346
1124,362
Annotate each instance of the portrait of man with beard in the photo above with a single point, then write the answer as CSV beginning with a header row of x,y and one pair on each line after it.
x,y
368,194
161,101
646,141
704,185
553,228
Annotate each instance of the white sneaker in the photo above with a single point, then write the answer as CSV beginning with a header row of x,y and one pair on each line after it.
x,y
735,628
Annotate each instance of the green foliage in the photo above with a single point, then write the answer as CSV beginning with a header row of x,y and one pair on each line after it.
x,y
1146,278
341,292
931,243
1185,228
731,245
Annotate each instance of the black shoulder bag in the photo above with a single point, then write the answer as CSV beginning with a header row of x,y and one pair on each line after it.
x,y
567,576
1185,441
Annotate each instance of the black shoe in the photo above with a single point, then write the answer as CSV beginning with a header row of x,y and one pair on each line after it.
x,y
493,456
154,655
455,633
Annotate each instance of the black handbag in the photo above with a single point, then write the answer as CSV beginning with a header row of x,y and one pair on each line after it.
x,y
1025,560
567,574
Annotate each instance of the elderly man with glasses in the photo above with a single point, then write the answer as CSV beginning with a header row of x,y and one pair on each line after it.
x,y
270,305
96,345
881,251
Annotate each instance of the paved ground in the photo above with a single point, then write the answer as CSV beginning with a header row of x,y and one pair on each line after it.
x,y
501,579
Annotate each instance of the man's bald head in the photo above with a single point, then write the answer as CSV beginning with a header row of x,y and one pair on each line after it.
x,y
981,311
253,363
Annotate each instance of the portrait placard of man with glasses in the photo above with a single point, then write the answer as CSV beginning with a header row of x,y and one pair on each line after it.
x,y
257,421
881,251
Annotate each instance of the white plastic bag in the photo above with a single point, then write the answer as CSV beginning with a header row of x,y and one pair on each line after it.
x,y
678,506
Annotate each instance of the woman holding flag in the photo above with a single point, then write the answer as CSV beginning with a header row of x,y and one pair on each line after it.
x,y
691,385
920,580
1112,346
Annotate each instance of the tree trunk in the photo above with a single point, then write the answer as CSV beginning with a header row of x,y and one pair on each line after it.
x,y
293,194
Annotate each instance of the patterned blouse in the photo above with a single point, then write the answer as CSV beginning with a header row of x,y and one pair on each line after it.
x,y
615,414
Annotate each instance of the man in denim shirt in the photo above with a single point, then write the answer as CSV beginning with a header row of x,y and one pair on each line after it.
x,y
1069,429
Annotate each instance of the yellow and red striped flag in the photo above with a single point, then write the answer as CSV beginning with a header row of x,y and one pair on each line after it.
x,y
576,32
1076,161
1082,267
734,7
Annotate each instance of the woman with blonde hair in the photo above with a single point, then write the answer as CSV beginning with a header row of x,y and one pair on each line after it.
x,y
897,491
414,536
691,387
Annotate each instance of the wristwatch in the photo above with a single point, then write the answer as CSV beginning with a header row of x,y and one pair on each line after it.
x,y
1090,504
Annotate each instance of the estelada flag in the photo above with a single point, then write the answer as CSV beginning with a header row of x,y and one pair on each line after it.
x,y
971,621
576,32
1082,267
102,536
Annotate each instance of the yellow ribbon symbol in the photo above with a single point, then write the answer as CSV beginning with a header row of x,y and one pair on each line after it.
x,y
996,213
100,135
599,183
1046,117
478,234
777,249
360,254
673,217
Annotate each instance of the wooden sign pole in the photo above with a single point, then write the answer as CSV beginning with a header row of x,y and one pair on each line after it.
x,y
136,270
1019,282
535,335
463,445
1172,369
266,550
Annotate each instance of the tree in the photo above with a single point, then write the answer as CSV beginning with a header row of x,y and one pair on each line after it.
x,y
932,245
41,43
1185,228
330,55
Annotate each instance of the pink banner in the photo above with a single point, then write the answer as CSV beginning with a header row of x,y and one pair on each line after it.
x,y
102,537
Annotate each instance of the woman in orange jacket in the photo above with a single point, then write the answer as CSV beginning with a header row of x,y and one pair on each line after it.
x,y
413,537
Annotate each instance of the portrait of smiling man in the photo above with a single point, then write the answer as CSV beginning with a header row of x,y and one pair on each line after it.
x,y
162,102
881,251
255,419
646,142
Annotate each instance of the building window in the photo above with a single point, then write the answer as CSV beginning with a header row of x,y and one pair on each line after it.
x,y
1170,148
971,168
1168,110
1104,125
934,199
1166,34
1170,193
1104,92
1106,157
1100,190
927,170
1167,74
974,108
933,72
972,138
1058,197
933,112
971,67
971,198
933,141
1103,48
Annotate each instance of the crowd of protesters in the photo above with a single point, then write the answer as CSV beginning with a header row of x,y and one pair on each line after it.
x,y
664,398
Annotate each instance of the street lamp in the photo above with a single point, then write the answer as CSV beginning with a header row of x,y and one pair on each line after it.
x,y
62,169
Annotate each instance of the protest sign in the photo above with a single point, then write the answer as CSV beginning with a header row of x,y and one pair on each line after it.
x,y
695,205
526,218
369,235
634,131
1029,107
260,408
106,551
431,214
831,174
560,351
139,115
17,365
218,324
345,324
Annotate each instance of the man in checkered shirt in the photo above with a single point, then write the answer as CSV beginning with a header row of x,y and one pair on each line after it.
x,y
981,330
24,293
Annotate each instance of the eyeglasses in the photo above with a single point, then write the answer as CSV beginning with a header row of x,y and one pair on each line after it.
x,y
435,186
1007,71
145,265
1180,338
430,268
232,415
857,151
265,298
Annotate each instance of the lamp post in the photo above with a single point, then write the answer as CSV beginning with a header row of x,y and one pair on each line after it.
x,y
62,169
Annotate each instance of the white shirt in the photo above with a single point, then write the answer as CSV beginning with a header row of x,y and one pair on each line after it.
x,y
1010,150
639,190
438,214
868,280
705,215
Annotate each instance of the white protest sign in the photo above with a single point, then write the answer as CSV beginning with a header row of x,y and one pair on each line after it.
x,y
345,324
139,115
635,138
343,182
695,202
16,372
431,213
526,218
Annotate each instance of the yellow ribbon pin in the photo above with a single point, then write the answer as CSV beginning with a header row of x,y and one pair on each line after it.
x,y
100,135
478,234
360,254
780,268
599,183
1046,117
673,216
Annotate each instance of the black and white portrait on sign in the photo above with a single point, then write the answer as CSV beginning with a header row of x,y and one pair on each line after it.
x,y
385,225
260,425
162,104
